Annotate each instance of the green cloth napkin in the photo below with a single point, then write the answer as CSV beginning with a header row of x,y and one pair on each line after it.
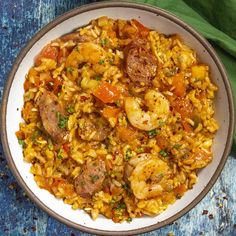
x,y
215,20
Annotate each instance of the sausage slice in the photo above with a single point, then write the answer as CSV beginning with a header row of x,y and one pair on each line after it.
x,y
140,63
53,117
91,178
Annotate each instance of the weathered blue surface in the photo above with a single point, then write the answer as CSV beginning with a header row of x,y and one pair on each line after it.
x,y
20,19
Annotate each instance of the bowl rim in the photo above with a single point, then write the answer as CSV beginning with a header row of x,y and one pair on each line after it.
x,y
87,8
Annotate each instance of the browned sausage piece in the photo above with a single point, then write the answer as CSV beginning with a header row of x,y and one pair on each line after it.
x,y
53,117
93,127
140,63
91,178
76,37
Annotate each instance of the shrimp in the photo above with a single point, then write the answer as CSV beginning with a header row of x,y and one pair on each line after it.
x,y
148,179
85,52
158,110
129,166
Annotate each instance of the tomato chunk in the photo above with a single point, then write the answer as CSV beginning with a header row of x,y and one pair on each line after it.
x,y
109,112
142,29
184,107
126,134
107,93
179,85
49,52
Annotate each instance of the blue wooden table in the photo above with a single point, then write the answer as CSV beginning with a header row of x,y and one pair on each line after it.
x,y
214,215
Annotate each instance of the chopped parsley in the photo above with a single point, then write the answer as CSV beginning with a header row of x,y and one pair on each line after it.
x,y
69,69
140,150
129,219
104,42
163,153
34,135
59,154
121,205
70,109
101,61
21,142
94,178
98,77
177,146
62,120
128,154
152,133
111,62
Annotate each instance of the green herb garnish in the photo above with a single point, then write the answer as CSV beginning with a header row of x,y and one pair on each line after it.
x,y
163,153
21,142
70,109
129,219
121,205
177,146
69,69
101,61
98,77
111,62
104,42
35,135
128,154
62,120
140,150
152,133
59,154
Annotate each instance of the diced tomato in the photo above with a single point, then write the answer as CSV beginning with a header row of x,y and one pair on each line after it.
x,y
109,112
142,29
162,141
179,85
20,135
58,181
27,110
47,52
27,85
126,134
66,147
107,93
180,190
184,107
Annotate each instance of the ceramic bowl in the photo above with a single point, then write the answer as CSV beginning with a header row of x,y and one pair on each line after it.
x,y
13,102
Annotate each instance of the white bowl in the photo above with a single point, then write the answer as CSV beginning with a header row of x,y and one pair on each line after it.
x,y
13,102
